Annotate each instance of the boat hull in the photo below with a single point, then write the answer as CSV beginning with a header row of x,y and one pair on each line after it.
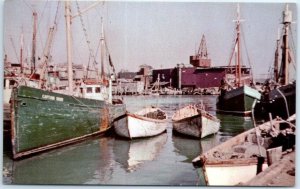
x,y
275,103
134,126
238,159
237,101
42,120
231,174
199,126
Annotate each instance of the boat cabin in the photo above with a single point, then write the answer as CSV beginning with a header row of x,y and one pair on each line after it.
x,y
94,90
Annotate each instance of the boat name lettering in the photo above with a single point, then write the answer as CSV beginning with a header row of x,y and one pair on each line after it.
x,y
49,97
59,99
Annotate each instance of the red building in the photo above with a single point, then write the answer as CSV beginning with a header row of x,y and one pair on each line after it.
x,y
193,77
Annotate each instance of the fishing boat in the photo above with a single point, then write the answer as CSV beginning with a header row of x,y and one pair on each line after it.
x,y
279,92
237,98
195,122
134,153
240,158
42,119
147,122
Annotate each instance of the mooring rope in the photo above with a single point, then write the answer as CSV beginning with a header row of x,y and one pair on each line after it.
x,y
256,131
285,102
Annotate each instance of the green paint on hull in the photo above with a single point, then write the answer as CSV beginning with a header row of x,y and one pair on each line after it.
x,y
248,102
42,118
235,102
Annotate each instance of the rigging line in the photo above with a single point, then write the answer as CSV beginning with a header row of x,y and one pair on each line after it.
x,y
56,14
293,44
43,11
110,61
29,6
293,47
87,69
55,24
97,49
14,47
234,41
39,22
247,54
233,50
94,54
91,52
272,62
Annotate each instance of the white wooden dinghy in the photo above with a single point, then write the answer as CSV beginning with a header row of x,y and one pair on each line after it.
x,y
147,122
194,121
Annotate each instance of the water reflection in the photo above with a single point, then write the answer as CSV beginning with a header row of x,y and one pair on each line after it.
x,y
131,154
66,165
191,147
161,160
233,125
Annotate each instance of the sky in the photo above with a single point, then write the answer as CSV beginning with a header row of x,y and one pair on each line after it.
x,y
160,34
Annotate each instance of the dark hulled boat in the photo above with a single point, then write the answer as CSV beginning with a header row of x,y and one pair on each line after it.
x,y
43,120
237,99
279,94
279,102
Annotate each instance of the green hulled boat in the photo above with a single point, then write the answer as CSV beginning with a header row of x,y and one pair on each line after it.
x,y
42,119
237,99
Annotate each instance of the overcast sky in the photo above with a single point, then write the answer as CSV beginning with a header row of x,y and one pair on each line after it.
x,y
160,34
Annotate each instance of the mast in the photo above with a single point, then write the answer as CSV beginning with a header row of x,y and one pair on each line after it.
x,y
276,61
46,56
33,58
102,51
284,70
21,51
238,47
69,45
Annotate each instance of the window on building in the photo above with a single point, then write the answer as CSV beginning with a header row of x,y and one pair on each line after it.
x,y
89,90
97,89
11,84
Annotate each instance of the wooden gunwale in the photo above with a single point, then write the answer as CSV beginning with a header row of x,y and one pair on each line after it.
x,y
231,162
146,118
209,116
185,119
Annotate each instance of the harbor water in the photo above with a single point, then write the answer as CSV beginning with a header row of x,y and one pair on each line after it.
x,y
109,160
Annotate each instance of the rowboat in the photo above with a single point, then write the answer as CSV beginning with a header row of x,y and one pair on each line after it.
x,y
147,122
240,158
195,122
